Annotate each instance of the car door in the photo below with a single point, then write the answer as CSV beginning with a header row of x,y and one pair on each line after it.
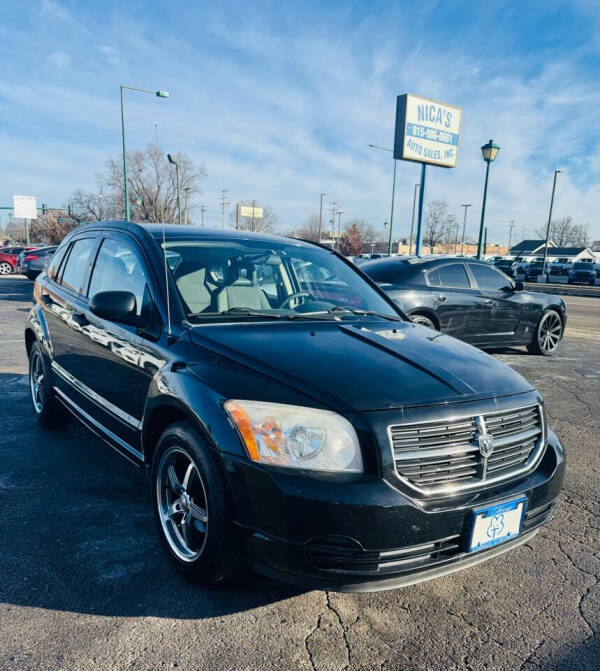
x,y
115,374
501,313
64,303
457,304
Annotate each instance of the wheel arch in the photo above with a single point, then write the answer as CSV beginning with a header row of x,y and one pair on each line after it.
x,y
164,412
426,312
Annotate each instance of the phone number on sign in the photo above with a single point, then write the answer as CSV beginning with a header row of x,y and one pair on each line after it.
x,y
430,134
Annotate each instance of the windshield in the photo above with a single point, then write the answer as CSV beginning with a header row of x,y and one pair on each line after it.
x,y
270,279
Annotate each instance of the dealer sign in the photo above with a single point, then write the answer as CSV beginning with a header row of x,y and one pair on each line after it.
x,y
426,131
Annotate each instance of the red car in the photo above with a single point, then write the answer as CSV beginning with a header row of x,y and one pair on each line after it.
x,y
8,258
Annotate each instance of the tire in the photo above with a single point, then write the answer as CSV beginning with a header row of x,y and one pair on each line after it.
x,y
48,409
5,268
424,321
192,508
32,276
548,334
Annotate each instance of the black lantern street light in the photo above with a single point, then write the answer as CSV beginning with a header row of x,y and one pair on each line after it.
x,y
489,152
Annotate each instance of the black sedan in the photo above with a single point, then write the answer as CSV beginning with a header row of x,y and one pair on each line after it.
x,y
473,301
31,262
507,266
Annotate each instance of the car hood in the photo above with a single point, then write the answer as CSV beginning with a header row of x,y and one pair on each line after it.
x,y
364,364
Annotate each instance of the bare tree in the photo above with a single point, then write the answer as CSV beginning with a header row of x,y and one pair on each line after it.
x,y
436,223
309,229
51,228
152,183
352,241
266,224
368,233
96,206
565,233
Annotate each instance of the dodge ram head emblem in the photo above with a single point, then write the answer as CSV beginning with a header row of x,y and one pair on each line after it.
x,y
485,441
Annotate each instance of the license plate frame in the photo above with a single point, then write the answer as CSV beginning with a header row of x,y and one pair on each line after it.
x,y
496,524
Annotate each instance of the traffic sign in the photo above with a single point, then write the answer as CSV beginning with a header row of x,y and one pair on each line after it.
x,y
25,207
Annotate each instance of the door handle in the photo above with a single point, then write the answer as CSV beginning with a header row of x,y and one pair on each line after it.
x,y
442,298
80,318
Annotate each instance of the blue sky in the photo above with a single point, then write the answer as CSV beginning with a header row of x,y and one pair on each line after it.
x,y
279,100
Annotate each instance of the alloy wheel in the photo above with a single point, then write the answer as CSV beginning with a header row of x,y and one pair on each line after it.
x,y
549,332
182,504
5,268
36,381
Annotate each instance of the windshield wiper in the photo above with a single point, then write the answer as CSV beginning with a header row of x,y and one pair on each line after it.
x,y
360,312
238,311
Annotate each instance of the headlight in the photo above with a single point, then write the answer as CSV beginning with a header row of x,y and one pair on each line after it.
x,y
297,437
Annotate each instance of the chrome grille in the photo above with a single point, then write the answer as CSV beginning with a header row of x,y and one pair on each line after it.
x,y
445,456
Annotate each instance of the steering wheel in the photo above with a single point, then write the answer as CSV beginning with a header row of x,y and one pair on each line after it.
x,y
288,299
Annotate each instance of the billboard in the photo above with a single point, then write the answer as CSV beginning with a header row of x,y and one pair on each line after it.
x,y
427,131
25,207
249,211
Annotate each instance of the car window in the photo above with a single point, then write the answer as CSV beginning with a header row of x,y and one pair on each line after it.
x,y
454,275
433,278
487,278
76,266
57,258
223,277
119,268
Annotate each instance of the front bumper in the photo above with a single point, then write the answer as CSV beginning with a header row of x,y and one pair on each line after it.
x,y
366,534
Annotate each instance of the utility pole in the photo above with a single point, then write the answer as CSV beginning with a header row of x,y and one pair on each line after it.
x,y
511,224
339,228
224,203
549,223
462,244
412,221
321,216
202,211
176,164
332,222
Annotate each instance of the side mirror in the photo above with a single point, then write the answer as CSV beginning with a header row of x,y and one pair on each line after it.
x,y
518,286
116,306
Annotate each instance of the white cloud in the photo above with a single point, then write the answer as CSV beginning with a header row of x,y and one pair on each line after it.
x,y
58,60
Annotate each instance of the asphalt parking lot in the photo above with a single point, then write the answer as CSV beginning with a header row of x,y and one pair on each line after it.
x,y
84,583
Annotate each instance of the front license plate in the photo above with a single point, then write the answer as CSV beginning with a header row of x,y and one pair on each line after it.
x,y
496,524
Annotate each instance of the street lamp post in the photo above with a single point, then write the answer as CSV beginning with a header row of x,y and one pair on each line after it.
x,y
321,216
374,146
462,244
489,152
339,227
158,94
549,223
202,211
172,161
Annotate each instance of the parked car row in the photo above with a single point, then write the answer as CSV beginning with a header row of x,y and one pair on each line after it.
x,y
25,260
290,416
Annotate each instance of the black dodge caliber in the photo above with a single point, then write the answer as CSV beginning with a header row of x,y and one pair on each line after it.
x,y
289,416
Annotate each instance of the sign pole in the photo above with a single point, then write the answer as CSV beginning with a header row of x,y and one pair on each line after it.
x,y
420,212
27,232
237,217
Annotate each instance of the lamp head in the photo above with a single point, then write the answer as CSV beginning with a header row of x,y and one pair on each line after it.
x,y
162,94
490,151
